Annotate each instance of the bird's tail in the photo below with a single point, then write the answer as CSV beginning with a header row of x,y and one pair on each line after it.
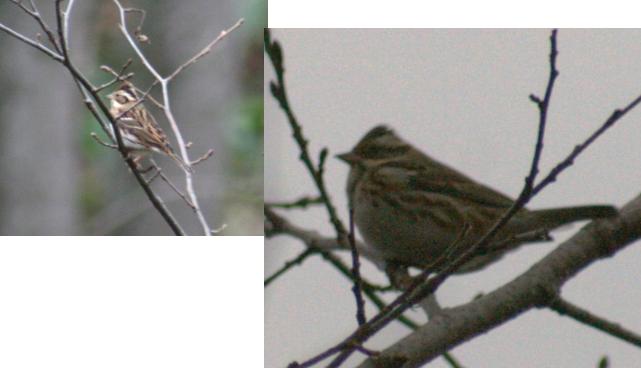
x,y
555,217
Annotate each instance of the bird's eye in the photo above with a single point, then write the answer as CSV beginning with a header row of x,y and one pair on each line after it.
x,y
121,99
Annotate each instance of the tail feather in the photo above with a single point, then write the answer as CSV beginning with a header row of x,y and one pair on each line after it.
x,y
555,217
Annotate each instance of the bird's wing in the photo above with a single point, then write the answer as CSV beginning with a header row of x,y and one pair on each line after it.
x,y
431,176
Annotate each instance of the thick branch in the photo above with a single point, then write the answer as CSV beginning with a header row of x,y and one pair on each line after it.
x,y
535,288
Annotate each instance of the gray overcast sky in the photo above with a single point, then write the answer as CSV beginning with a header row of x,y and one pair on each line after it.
x,y
461,96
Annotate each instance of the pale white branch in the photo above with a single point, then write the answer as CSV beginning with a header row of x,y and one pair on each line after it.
x,y
54,55
164,82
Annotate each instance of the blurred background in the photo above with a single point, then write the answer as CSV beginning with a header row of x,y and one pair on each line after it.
x,y
55,180
461,96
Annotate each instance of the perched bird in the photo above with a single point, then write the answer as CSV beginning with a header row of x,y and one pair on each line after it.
x,y
139,130
412,209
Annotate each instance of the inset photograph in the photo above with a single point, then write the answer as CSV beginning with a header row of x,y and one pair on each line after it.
x,y
452,197
131,117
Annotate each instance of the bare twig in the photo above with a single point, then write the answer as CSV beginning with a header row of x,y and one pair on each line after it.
x,y
138,31
101,142
35,14
278,90
159,172
566,308
206,50
153,177
61,30
202,158
569,160
303,202
117,79
289,264
356,265
120,76
543,106
54,55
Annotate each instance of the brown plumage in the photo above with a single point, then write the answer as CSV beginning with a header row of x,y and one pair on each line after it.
x,y
412,208
139,130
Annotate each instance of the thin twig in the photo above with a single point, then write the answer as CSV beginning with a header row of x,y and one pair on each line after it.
x,y
569,160
278,90
356,273
543,106
302,203
206,50
34,13
54,55
138,31
573,311
117,76
153,177
171,184
181,194
289,264
117,79
95,137
202,158
61,30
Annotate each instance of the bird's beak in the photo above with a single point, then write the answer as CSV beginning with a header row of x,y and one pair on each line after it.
x,y
348,157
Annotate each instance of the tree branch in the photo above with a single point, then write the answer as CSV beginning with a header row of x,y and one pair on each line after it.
x,y
575,312
534,288
275,53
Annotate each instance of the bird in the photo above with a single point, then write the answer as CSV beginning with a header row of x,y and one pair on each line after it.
x,y
412,209
139,130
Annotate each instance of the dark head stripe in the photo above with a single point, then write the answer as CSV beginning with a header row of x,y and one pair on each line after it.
x,y
129,90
